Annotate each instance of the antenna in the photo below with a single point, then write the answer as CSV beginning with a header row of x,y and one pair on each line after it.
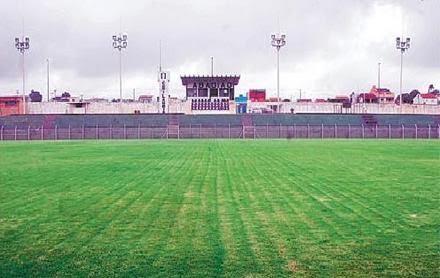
x,y
212,66
279,28
120,24
160,56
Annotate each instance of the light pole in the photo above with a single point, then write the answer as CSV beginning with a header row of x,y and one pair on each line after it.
x,y
402,46
119,43
48,72
22,46
278,41
378,75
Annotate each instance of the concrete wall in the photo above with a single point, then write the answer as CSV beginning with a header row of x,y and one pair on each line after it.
x,y
358,108
181,106
91,108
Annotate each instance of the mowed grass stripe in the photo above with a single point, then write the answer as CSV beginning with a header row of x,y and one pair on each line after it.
x,y
261,243
312,224
261,212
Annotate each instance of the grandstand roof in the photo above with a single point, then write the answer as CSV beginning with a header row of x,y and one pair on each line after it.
x,y
234,79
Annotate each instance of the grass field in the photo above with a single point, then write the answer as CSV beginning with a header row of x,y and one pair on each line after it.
x,y
220,208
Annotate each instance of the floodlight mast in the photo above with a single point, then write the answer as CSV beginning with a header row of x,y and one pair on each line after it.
x,y
120,43
278,41
22,45
402,46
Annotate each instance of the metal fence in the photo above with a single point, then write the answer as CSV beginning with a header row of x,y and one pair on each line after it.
x,y
225,132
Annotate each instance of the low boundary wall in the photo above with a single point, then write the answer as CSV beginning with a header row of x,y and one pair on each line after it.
x,y
225,132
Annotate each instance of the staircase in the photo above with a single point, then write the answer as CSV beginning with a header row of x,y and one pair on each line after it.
x,y
248,127
49,121
173,127
436,120
369,120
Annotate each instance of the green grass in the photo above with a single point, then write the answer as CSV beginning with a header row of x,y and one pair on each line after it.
x,y
220,208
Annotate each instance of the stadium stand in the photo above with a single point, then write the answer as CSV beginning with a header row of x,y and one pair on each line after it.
x,y
21,121
208,104
369,120
209,120
160,120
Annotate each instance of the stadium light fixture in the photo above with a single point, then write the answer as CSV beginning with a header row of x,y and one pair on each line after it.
x,y
278,41
402,46
120,43
23,45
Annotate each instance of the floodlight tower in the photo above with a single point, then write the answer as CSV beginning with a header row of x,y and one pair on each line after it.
x,y
278,41
402,46
119,43
22,46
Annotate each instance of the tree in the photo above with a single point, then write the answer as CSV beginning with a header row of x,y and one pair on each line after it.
x,y
35,96
65,95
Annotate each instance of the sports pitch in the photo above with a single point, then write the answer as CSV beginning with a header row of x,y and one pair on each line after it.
x,y
220,208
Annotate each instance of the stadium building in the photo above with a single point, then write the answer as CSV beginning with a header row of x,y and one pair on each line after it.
x,y
208,94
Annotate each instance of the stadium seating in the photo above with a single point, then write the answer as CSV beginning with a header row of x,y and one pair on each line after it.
x,y
210,120
210,104
21,121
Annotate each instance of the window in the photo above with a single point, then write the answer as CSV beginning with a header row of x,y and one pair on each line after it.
x,y
213,92
11,103
190,92
203,93
231,94
224,93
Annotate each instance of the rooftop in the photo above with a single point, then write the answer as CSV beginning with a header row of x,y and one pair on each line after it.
x,y
188,79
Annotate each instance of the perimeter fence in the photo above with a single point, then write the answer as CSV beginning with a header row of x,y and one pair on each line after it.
x,y
9,133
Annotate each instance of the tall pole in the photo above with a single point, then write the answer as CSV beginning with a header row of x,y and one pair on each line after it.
x,y
278,80
24,82
119,43
48,84
278,41
402,46
378,75
212,66
401,80
120,75
22,46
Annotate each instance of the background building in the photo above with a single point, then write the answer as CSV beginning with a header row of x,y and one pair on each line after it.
x,y
11,105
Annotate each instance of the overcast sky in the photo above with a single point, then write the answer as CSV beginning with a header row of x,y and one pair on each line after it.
x,y
333,46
